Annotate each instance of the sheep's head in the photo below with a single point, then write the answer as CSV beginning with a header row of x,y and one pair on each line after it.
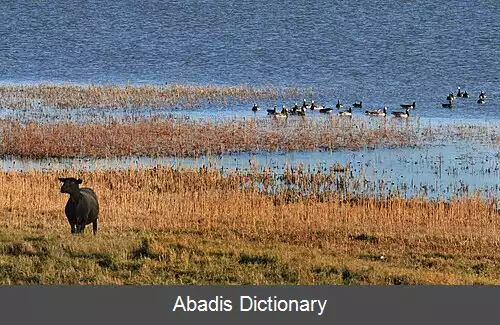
x,y
70,185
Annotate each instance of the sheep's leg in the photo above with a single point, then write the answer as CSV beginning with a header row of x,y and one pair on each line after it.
x,y
94,226
80,228
73,228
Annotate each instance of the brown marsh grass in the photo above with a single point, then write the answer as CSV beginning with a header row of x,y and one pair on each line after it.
x,y
114,96
199,226
184,138
180,137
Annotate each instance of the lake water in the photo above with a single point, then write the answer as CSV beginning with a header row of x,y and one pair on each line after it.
x,y
377,51
380,52
434,171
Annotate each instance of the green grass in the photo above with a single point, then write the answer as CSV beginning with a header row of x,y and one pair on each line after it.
x,y
146,257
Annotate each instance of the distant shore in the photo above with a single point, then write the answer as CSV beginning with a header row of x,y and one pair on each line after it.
x,y
132,96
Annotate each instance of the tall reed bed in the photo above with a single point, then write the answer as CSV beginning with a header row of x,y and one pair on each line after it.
x,y
114,96
179,137
202,226
235,205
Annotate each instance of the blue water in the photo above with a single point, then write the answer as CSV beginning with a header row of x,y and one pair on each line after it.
x,y
380,52
433,171
376,50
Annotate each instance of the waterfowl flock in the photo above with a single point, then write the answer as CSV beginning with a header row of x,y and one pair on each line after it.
x,y
451,98
301,111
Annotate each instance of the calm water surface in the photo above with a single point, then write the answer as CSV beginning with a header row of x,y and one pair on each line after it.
x,y
380,52
434,171
377,51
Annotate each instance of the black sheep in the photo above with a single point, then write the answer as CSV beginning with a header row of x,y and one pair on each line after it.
x,y
82,207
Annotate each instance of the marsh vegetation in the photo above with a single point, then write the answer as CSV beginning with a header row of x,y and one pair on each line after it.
x,y
214,225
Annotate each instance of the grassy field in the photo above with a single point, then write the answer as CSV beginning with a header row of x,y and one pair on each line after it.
x,y
198,226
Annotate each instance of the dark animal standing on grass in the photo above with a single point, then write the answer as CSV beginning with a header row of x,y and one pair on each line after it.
x,y
82,207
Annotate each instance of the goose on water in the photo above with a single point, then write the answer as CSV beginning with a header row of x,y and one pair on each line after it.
x,y
301,111
314,106
359,105
404,114
283,114
272,111
339,105
304,104
377,112
255,108
326,110
448,105
412,105
346,113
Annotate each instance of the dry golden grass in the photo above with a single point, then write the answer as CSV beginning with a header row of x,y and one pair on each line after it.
x,y
115,96
199,226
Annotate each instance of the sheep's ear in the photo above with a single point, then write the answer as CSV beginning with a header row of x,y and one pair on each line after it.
x,y
79,181
62,179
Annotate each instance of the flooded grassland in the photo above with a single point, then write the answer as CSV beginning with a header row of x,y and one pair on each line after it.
x,y
191,199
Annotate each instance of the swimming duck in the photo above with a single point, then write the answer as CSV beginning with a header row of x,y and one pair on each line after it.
x,y
481,100
272,111
466,95
339,105
360,105
404,114
255,108
346,113
482,95
412,105
377,112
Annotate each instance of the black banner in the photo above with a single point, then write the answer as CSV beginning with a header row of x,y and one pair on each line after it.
x,y
250,304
